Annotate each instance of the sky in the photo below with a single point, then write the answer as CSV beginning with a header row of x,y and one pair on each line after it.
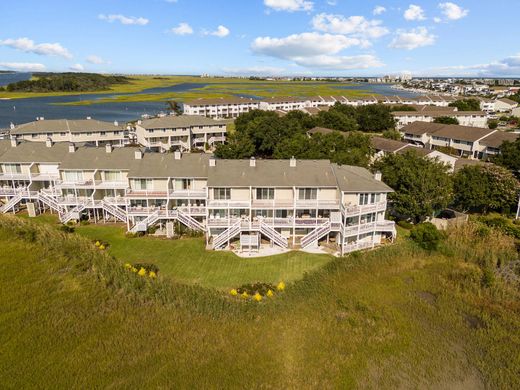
x,y
263,37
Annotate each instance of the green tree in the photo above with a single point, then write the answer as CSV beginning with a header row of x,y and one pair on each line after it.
x,y
484,188
466,104
422,186
375,118
446,120
493,124
392,134
509,156
237,146
426,235
336,120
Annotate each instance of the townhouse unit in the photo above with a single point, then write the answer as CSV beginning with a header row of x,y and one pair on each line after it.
x,y
428,114
470,142
284,103
90,131
505,105
220,107
183,132
235,203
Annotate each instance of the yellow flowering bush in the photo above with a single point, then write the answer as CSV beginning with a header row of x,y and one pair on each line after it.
x,y
269,293
281,286
152,275
257,297
128,266
134,269
102,247
245,295
98,243
142,272
233,292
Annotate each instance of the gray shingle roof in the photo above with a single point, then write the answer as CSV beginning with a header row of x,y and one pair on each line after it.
x,y
387,145
65,125
271,173
357,179
161,165
98,158
496,139
38,152
176,121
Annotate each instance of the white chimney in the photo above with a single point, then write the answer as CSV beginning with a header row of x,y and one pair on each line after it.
x,y
252,162
139,121
14,142
116,123
48,142
89,118
11,126
138,154
72,148
108,148
42,118
377,176
212,161
292,162
177,155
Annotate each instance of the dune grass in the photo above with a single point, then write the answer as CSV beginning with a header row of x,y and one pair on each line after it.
x,y
397,317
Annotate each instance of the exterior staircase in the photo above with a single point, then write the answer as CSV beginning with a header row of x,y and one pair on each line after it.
x,y
50,202
227,235
189,221
73,213
141,226
114,210
273,235
11,203
315,235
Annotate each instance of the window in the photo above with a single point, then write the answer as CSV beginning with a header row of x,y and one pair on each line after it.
x,y
222,193
183,184
113,176
73,176
307,193
13,169
143,184
63,134
103,133
265,193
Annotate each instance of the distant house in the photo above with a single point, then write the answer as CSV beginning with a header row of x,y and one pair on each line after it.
x,y
428,114
505,105
90,131
220,107
183,132
471,142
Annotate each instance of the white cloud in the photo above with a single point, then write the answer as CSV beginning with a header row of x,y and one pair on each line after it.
x,y
315,50
27,45
437,19
23,66
220,32
140,21
356,26
256,70
414,12
412,39
452,11
77,68
289,5
507,67
96,60
182,29
332,3
378,10
364,61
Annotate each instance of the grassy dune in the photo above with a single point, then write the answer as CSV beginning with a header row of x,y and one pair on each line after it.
x,y
397,317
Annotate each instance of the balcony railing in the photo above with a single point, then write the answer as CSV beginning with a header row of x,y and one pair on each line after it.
x,y
14,176
228,204
45,176
186,194
111,184
317,203
364,209
76,183
147,193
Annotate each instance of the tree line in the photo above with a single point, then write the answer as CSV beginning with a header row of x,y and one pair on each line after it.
x,y
66,82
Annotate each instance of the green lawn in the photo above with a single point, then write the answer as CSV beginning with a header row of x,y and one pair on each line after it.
x,y
187,260
398,317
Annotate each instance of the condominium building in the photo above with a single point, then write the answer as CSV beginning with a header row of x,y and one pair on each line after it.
x,y
471,142
184,132
285,103
235,203
90,131
428,114
220,107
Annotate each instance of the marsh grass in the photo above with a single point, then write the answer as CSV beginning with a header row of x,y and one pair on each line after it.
x,y
74,317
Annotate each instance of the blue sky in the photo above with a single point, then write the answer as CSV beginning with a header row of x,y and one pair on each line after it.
x,y
265,37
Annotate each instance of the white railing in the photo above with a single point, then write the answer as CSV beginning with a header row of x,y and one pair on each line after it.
x,y
272,203
277,238
187,193
11,203
315,203
364,209
15,176
228,204
315,235
348,248
111,184
147,193
226,235
114,210
385,225
212,140
190,222
143,225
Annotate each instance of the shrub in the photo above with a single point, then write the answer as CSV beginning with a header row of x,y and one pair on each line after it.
x,y
134,235
405,224
426,235
255,288
67,228
148,267
152,229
